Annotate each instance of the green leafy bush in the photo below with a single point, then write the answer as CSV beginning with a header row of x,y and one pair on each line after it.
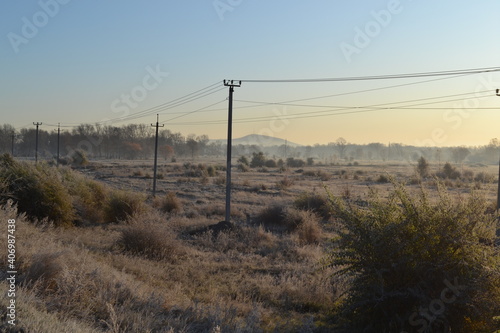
x,y
418,264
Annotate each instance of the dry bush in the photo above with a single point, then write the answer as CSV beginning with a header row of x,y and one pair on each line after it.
x,y
152,242
314,202
122,205
284,183
220,180
90,196
37,190
309,230
283,218
169,203
147,235
44,271
322,175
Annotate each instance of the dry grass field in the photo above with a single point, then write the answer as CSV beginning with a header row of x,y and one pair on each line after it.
x,y
160,269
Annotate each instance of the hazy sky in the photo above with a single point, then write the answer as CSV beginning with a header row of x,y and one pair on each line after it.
x,y
78,61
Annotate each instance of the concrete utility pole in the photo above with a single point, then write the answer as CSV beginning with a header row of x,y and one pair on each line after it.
x,y
498,192
156,153
58,141
231,84
36,141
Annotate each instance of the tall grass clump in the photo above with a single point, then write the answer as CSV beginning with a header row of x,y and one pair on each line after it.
x,y
288,219
147,235
169,203
315,202
122,205
37,190
418,264
90,196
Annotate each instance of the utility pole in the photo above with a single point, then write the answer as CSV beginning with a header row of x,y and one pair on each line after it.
x,y
58,141
13,138
36,141
498,192
231,84
156,153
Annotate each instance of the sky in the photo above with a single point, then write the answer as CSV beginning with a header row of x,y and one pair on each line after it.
x,y
118,62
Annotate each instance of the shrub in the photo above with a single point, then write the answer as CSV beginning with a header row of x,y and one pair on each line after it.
x,y
309,230
423,167
449,172
284,183
382,179
243,160
43,271
258,160
211,171
170,203
243,167
322,175
314,202
310,161
271,164
282,218
483,177
79,158
90,196
151,241
122,205
37,191
295,163
405,252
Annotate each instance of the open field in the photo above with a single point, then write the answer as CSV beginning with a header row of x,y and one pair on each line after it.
x,y
161,271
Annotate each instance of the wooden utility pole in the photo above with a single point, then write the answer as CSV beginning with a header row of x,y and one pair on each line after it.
x,y
231,84
36,141
156,153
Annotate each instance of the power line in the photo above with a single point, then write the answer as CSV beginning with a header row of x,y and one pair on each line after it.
x,y
342,110
336,95
381,77
333,106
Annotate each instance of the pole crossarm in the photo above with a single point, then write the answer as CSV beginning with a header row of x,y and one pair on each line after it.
x,y
232,83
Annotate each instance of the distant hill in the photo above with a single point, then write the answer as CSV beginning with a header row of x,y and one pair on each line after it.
x,y
259,140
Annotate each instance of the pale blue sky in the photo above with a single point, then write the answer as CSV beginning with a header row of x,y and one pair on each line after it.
x,y
86,55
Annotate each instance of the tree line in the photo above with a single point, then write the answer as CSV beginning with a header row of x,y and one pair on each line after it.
x,y
137,141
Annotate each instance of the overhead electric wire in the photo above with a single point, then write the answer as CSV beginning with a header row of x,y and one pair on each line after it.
x,y
331,95
346,110
378,77
334,106
169,105
198,94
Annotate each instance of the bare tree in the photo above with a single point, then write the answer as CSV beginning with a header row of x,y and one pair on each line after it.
x,y
341,147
